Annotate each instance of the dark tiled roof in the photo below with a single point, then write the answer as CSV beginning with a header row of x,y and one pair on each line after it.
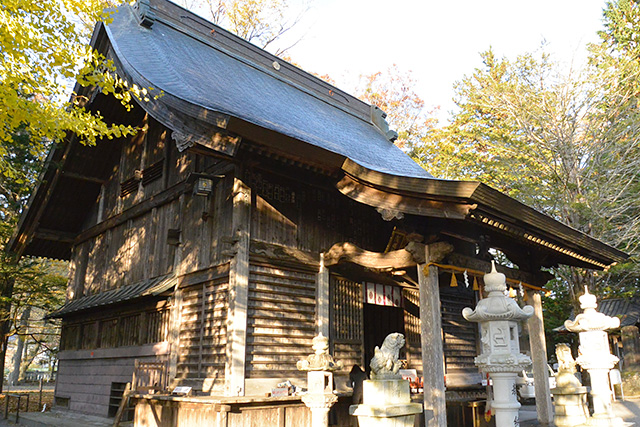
x,y
179,60
627,309
149,287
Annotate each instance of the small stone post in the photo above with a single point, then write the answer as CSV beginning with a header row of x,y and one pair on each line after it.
x,y
501,358
594,356
319,366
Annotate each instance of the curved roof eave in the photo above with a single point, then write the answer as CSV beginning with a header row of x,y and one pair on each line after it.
x,y
201,79
479,202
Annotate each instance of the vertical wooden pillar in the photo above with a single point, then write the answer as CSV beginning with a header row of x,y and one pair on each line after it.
x,y
322,298
539,356
432,347
175,320
175,316
238,291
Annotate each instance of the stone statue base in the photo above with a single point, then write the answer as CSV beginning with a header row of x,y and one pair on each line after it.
x,y
386,403
570,406
607,422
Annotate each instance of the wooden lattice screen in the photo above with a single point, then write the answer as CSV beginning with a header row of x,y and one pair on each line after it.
x,y
412,328
460,338
346,321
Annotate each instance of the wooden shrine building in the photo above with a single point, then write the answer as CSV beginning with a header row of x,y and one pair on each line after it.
x,y
256,207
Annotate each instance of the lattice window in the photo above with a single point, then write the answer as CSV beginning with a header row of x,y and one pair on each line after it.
x,y
157,324
109,333
412,317
152,173
145,176
129,186
347,310
69,337
89,335
129,328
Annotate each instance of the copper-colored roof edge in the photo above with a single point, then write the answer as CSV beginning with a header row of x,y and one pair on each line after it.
x,y
486,196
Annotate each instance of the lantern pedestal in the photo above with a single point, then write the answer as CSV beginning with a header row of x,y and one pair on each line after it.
x,y
319,367
596,358
500,358
505,399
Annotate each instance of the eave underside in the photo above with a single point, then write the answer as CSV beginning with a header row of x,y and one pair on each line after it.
x,y
479,210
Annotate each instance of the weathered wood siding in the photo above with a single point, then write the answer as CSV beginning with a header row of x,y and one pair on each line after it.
x,y
297,212
281,319
203,335
346,322
133,251
412,329
138,249
271,413
203,236
100,348
85,377
460,336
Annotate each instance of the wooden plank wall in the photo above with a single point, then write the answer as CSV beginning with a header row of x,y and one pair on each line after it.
x,y
460,336
202,237
128,253
138,250
281,320
153,413
203,335
412,329
346,322
87,382
289,211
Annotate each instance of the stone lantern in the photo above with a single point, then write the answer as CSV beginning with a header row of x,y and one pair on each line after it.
x,y
319,366
498,316
594,356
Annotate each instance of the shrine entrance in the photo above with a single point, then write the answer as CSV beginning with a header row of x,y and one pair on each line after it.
x,y
380,321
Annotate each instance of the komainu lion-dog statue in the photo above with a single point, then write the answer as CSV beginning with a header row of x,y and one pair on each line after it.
x,y
385,364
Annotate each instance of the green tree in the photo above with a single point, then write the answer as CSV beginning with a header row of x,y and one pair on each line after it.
x,y
44,49
38,290
554,141
618,55
393,91
31,285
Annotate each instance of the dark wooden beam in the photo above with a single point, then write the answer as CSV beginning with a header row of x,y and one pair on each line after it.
x,y
538,278
55,235
404,203
80,177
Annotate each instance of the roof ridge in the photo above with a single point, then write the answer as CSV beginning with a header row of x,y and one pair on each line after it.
x,y
225,41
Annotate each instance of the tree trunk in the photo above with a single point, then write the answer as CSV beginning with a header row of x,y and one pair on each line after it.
x,y
5,320
17,357
29,357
